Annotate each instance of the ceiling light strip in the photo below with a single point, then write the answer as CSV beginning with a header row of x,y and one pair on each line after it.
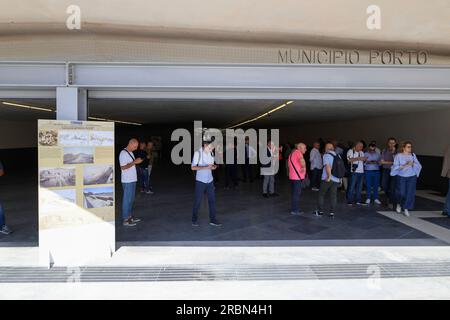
x,y
263,115
51,110
118,121
26,106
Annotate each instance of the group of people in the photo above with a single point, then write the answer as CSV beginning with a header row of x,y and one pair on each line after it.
x,y
329,167
396,168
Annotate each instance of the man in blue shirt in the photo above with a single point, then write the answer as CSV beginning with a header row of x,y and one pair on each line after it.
x,y
203,164
329,182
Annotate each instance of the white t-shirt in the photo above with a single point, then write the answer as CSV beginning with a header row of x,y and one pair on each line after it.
x,y
130,174
274,165
203,159
316,159
356,154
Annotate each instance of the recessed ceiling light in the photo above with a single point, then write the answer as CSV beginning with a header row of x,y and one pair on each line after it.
x,y
26,106
118,121
265,114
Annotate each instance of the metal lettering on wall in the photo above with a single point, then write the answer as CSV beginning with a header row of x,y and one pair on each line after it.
x,y
331,56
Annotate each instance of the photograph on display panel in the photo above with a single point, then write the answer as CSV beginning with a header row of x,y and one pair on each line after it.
x,y
101,138
78,155
48,138
98,197
57,177
57,200
73,138
98,174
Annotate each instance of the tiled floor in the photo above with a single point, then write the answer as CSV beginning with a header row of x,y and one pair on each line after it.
x,y
441,221
245,214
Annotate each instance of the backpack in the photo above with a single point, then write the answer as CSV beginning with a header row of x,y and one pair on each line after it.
x,y
338,168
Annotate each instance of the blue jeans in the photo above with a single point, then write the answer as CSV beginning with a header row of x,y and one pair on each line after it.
x,y
2,216
406,189
129,192
144,178
388,185
372,183
447,200
200,189
356,180
296,189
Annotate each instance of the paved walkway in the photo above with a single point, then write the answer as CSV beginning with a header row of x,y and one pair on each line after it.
x,y
235,273
245,214
261,252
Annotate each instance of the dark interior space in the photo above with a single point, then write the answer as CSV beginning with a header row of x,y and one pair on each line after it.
x,y
245,214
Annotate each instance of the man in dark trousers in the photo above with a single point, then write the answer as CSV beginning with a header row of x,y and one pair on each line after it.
x,y
3,227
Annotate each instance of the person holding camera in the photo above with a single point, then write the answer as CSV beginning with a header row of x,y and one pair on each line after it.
x,y
356,158
128,164
203,165
407,168
372,173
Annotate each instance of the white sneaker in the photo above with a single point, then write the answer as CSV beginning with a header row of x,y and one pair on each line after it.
x,y
407,213
377,201
368,201
5,230
361,204
399,208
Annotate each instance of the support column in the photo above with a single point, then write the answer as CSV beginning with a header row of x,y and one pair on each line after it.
x,y
71,103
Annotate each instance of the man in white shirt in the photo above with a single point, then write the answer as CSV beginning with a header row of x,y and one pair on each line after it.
x,y
268,170
203,164
356,158
315,159
129,180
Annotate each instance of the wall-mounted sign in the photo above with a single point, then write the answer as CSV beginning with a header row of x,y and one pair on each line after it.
x,y
335,56
76,191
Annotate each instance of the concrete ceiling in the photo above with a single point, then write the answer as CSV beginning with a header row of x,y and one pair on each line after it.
x,y
405,23
220,113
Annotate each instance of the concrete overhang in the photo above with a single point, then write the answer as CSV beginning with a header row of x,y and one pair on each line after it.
x,y
405,24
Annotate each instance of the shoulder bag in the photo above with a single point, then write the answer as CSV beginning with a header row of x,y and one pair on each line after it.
x,y
303,182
